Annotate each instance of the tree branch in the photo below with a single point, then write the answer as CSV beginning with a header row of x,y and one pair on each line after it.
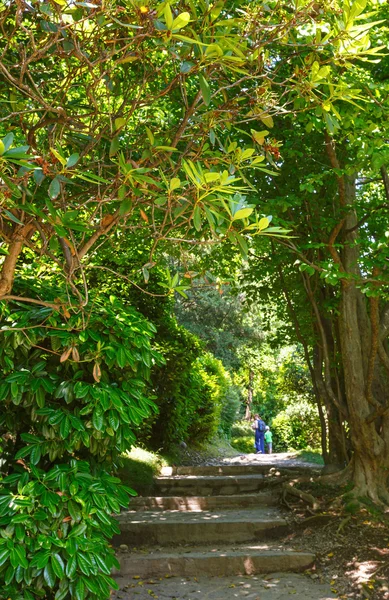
x,y
9,265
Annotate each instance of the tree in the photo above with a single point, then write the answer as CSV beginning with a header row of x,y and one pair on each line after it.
x,y
333,274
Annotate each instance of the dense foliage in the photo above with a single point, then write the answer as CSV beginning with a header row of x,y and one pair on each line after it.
x,y
72,397
190,389
131,125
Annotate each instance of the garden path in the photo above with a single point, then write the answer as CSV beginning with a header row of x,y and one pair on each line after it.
x,y
216,531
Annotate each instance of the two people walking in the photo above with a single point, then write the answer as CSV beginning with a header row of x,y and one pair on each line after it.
x,y
262,434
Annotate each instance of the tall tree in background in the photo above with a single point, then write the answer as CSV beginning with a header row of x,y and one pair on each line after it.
x,y
333,193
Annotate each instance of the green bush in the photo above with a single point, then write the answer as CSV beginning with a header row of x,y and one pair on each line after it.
x,y
244,444
231,404
242,437
138,469
189,388
297,427
207,399
72,392
241,428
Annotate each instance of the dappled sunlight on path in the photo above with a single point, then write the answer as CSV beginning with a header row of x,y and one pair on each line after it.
x,y
273,587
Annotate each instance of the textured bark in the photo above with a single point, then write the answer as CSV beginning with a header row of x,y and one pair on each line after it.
x,y
249,395
362,377
337,453
15,247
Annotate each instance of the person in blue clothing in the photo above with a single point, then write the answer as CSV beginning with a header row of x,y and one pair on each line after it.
x,y
259,427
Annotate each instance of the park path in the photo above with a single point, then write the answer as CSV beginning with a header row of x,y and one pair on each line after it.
x,y
215,531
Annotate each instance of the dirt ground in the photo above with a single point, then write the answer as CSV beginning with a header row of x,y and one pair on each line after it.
x,y
281,459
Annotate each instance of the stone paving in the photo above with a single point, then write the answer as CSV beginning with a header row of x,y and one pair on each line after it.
x,y
279,586
217,531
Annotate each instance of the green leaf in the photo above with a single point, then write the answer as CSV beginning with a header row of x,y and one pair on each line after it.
x,y
18,556
101,564
181,21
9,575
74,510
174,184
121,357
92,586
125,207
78,530
71,567
242,213
64,428
4,554
98,419
2,147
80,590
85,567
7,141
41,559
119,122
205,89
58,566
35,455
12,217
58,156
197,218
267,119
113,419
168,16
62,591
72,160
54,189
166,148
114,147
263,223
49,575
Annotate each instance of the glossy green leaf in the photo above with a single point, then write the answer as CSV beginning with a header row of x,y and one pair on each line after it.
x,y
54,189
49,575
80,590
205,89
58,566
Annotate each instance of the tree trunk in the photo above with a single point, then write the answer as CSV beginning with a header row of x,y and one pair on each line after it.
x,y
362,377
249,395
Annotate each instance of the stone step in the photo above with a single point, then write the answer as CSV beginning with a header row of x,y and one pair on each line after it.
x,y
164,528
201,503
223,561
212,485
236,469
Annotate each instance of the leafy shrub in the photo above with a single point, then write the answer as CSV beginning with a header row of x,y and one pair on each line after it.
x,y
241,428
138,469
189,387
244,444
56,526
242,437
71,397
230,409
207,406
297,427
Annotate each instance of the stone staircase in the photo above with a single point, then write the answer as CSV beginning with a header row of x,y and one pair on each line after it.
x,y
216,520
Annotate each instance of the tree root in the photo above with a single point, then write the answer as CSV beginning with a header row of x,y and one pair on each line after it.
x,y
340,477
317,521
343,523
288,488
